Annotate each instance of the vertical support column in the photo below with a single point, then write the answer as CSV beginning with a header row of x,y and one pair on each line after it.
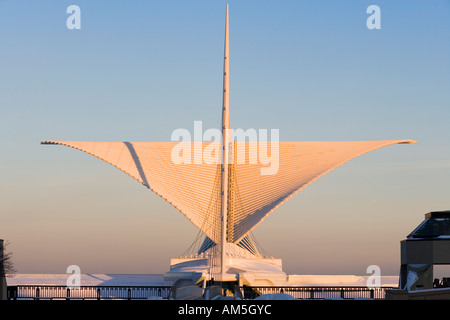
x,y
231,192
3,287
225,154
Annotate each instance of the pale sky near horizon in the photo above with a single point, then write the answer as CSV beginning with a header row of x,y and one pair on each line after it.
x,y
137,70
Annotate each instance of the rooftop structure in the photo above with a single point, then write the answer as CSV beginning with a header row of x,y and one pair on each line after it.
x,y
426,246
226,189
435,226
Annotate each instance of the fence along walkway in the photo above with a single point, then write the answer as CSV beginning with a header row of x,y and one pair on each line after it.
x,y
48,292
318,292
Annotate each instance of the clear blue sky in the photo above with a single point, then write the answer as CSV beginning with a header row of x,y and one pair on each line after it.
x,y
137,70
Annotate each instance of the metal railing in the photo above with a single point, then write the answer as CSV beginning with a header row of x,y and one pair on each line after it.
x,y
318,292
51,292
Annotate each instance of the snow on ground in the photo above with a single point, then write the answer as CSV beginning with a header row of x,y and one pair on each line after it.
x,y
158,280
339,281
90,279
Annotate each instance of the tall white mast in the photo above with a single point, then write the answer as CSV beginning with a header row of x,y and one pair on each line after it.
x,y
225,153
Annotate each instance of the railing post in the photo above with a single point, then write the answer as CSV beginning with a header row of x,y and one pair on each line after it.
x,y
129,294
311,293
68,293
342,293
12,292
98,293
37,293
371,293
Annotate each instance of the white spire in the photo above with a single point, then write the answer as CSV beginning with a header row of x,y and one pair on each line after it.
x,y
225,151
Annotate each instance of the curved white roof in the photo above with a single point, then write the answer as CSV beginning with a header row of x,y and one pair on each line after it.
x,y
194,188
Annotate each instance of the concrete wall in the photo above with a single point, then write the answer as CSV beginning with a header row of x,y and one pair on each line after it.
x,y
432,294
425,251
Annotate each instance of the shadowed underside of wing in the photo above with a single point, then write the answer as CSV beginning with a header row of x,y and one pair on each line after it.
x,y
191,183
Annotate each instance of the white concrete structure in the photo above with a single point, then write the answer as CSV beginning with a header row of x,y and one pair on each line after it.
x,y
229,195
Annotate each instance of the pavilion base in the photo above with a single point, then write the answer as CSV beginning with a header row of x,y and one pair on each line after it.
x,y
243,272
241,268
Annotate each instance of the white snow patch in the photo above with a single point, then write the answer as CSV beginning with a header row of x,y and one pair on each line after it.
x,y
411,279
90,279
158,280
